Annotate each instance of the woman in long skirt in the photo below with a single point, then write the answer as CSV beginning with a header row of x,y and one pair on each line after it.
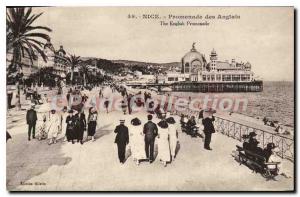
x,y
70,126
42,132
53,127
64,116
136,139
163,142
173,133
92,122
81,127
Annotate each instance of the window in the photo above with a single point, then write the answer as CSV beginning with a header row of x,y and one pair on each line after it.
x,y
218,77
212,77
204,77
226,77
171,79
245,77
236,77
208,78
187,68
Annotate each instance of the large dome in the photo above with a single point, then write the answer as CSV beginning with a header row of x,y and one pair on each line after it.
x,y
193,61
193,55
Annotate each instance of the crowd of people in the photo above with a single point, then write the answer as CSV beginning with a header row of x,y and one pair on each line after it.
x,y
141,139
70,123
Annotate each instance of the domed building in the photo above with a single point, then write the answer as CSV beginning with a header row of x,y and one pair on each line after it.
x,y
193,63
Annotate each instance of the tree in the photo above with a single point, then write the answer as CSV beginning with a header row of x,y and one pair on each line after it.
x,y
24,39
73,61
84,70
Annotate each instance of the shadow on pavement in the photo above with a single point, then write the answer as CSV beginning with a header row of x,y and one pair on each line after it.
x,y
102,131
27,159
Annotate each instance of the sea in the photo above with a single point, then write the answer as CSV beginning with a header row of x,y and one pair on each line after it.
x,y
276,101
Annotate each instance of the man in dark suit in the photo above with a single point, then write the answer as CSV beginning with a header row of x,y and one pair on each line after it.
x,y
31,119
150,130
122,139
208,130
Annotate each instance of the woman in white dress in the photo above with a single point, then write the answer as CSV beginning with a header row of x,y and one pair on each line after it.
x,y
275,158
173,133
53,126
163,142
64,116
136,140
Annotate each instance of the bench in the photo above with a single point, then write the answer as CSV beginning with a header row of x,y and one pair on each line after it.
x,y
257,163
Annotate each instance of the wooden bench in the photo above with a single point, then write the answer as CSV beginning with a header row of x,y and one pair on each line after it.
x,y
257,163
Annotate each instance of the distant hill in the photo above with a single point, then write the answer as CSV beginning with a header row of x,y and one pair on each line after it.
x,y
138,63
119,65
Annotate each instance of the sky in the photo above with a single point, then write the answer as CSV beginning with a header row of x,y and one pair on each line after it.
x,y
263,36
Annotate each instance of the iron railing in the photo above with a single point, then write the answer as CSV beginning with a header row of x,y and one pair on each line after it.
x,y
236,130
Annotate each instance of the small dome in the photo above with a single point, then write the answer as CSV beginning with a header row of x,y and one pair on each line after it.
x,y
247,65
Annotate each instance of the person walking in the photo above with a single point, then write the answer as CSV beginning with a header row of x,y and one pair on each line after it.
x,y
163,142
106,104
122,139
209,129
81,126
92,123
150,131
129,100
64,116
137,141
70,126
53,126
31,119
173,133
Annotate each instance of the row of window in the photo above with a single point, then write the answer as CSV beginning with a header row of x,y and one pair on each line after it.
x,y
226,77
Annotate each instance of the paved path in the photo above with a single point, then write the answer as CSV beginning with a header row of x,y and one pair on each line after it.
x,y
92,166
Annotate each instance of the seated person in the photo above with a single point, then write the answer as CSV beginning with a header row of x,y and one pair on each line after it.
x,y
275,158
268,151
253,144
246,142
191,124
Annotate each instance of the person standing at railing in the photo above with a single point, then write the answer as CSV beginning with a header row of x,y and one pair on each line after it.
x,y
209,128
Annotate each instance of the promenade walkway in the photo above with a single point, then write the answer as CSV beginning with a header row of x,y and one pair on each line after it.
x,y
34,165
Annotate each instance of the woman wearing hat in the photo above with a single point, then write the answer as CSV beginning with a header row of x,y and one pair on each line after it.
x,y
81,126
253,144
70,120
163,142
92,122
137,144
275,158
173,132
53,126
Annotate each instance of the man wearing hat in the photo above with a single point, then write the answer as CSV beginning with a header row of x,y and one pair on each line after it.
x,y
150,131
31,119
122,139
209,128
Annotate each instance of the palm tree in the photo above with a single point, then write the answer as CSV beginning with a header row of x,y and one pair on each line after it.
x,y
73,61
84,70
23,38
